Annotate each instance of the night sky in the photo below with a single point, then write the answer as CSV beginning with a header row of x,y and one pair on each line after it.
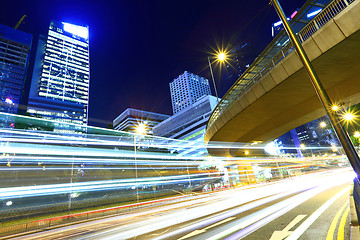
x,y
138,47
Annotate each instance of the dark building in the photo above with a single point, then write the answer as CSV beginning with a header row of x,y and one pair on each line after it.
x,y
14,57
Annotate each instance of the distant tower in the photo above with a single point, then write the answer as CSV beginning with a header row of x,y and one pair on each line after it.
x,y
186,89
60,82
14,57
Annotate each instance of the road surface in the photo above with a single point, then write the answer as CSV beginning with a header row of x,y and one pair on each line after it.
x,y
314,206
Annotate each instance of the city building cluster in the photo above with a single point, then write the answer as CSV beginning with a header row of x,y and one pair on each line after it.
x,y
60,81
59,88
192,104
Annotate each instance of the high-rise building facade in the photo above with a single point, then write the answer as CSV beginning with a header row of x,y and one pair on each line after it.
x,y
14,57
60,82
186,89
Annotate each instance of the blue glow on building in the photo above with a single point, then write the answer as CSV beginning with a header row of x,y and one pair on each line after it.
x,y
14,57
76,30
60,82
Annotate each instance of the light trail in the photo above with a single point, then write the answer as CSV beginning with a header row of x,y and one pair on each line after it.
x,y
87,168
47,164
95,140
28,149
231,204
53,189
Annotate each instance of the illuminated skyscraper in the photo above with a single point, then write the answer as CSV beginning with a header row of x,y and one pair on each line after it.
x,y
14,56
186,89
60,82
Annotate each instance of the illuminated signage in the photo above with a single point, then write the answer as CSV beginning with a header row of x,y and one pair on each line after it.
x,y
76,30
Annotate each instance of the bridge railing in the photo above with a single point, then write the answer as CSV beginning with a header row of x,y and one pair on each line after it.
x,y
277,50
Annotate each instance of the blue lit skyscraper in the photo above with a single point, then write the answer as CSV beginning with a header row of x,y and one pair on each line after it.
x,y
60,82
14,57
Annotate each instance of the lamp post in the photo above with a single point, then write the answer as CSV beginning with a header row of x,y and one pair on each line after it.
x,y
321,93
357,138
220,57
305,148
357,134
139,130
71,183
348,117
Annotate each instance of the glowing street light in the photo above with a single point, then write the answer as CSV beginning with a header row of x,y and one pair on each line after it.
x,y
357,134
334,148
221,56
335,108
303,147
348,116
323,124
247,152
141,129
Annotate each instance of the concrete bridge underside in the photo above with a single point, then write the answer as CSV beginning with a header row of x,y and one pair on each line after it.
x,y
285,98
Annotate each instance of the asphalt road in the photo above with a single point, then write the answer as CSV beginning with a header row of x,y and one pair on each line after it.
x,y
314,206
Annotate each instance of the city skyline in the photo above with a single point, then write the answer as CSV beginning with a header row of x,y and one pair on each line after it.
x,y
138,48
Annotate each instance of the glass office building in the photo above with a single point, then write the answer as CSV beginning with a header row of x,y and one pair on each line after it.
x,y
14,57
60,82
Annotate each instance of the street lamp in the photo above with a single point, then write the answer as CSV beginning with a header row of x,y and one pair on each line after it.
x,y
140,129
335,108
334,148
357,134
348,116
303,147
323,124
71,181
357,137
221,56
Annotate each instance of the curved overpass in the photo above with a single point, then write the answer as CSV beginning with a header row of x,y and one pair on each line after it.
x,y
282,97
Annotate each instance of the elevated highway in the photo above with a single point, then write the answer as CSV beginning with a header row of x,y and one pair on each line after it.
x,y
279,96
